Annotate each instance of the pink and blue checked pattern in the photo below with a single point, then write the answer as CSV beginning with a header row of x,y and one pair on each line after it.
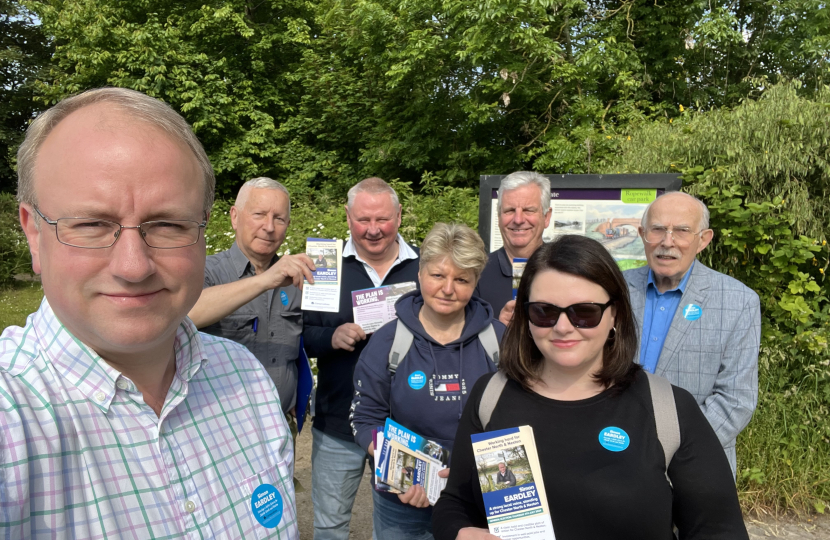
x,y
82,455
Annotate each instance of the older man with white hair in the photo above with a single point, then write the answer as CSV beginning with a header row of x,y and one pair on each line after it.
x,y
118,419
251,295
524,214
698,328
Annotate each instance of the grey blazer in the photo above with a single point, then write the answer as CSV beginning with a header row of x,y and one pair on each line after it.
x,y
714,357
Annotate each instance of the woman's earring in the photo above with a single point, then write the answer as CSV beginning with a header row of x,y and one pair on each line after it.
x,y
613,335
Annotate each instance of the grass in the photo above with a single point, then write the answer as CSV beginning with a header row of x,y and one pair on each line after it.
x,y
17,302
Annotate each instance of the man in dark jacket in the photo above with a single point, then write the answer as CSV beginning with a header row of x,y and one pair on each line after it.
x,y
524,214
505,476
374,255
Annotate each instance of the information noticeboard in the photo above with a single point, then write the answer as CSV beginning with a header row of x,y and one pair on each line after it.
x,y
607,208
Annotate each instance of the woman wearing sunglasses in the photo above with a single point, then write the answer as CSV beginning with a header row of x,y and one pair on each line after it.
x,y
568,357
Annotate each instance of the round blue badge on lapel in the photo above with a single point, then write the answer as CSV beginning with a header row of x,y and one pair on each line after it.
x,y
266,502
283,298
692,312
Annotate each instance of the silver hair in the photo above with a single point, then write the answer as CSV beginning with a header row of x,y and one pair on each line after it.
x,y
704,211
137,106
372,185
525,178
261,182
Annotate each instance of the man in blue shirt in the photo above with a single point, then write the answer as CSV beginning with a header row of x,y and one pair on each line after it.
x,y
698,328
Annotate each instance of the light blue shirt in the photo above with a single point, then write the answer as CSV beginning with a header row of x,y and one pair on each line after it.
x,y
659,312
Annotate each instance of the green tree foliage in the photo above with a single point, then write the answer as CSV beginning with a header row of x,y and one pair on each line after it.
x,y
24,57
713,53
322,94
224,65
777,146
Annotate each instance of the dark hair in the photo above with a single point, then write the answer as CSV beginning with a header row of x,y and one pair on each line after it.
x,y
580,256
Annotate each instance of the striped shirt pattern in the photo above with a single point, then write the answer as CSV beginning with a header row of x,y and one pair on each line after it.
x,y
82,455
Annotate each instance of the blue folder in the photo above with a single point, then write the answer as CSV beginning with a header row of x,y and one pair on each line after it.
x,y
305,383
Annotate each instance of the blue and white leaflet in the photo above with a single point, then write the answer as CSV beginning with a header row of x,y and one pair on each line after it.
x,y
324,294
407,459
511,484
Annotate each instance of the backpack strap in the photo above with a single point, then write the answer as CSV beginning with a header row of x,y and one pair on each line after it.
x,y
491,395
400,346
665,416
490,342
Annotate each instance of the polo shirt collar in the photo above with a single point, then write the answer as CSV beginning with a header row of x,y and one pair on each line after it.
x,y
241,265
404,251
84,369
681,287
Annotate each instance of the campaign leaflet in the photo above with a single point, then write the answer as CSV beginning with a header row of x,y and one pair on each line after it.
x,y
381,462
518,270
324,294
373,308
407,459
511,484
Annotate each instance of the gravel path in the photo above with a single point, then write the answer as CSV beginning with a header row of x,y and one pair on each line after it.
x,y
815,528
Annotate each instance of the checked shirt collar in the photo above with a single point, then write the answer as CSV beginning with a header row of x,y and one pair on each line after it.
x,y
84,369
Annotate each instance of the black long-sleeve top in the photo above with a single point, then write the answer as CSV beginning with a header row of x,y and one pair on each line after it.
x,y
594,493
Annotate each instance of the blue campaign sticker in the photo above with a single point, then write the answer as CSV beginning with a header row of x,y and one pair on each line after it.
x,y
283,298
614,439
266,502
417,380
692,312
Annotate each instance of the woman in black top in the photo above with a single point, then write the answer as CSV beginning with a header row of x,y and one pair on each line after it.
x,y
568,355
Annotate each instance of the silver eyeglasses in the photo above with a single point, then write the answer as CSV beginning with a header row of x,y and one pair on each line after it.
x,y
681,235
94,233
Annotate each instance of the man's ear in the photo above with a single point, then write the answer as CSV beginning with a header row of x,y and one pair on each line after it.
x,y
32,232
547,217
705,239
234,216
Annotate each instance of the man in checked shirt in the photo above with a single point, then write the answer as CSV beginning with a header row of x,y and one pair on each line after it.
x,y
117,418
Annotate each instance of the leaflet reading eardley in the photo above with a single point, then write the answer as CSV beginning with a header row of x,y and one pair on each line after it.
x,y
407,459
324,295
518,270
511,484
373,308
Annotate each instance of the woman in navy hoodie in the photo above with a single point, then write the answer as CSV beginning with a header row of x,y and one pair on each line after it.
x,y
428,391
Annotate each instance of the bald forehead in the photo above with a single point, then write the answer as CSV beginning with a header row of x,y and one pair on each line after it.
x,y
98,117
676,205
98,121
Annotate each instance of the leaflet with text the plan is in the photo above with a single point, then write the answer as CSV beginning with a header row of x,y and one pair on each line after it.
x,y
407,459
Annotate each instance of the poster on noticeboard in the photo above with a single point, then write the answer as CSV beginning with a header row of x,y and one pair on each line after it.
x,y
607,208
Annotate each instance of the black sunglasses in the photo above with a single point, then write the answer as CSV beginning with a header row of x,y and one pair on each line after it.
x,y
585,315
